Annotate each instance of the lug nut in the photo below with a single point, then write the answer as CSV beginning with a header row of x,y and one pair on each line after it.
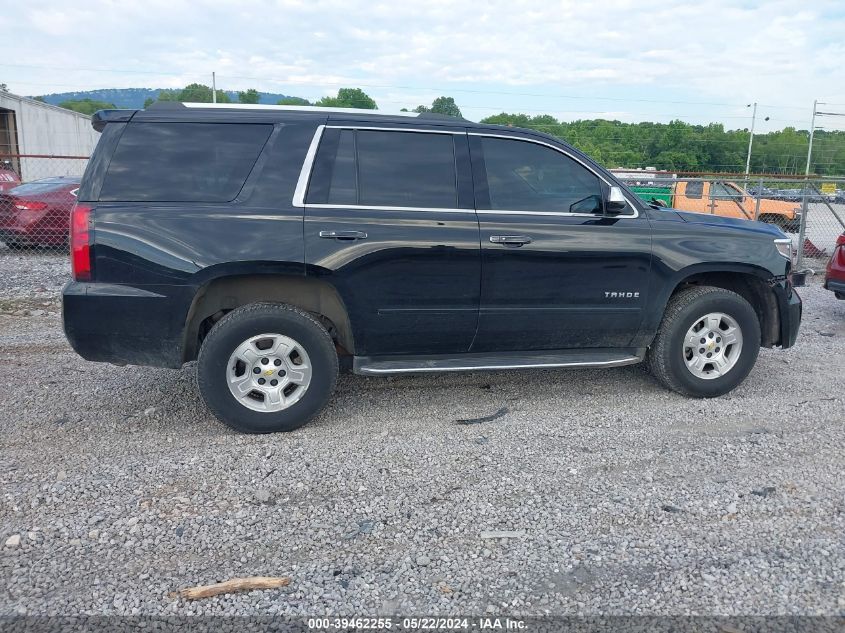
x,y
256,370
718,339
261,381
281,372
718,348
264,361
701,351
709,354
703,341
277,362
710,335
274,382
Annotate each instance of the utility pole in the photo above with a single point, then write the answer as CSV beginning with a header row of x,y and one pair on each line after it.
x,y
213,87
802,231
750,141
812,132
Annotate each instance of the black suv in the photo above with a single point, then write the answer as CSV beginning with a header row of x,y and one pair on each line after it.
x,y
273,244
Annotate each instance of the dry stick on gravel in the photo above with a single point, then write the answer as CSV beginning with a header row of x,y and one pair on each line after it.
x,y
233,585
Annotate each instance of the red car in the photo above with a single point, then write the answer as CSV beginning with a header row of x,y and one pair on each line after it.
x,y
834,279
8,179
38,213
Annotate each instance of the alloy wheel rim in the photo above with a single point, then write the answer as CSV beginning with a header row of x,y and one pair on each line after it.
x,y
268,373
712,345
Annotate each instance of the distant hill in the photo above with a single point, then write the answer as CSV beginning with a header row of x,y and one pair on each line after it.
x,y
135,97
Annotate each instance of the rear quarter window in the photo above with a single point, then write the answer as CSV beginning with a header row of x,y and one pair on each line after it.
x,y
183,162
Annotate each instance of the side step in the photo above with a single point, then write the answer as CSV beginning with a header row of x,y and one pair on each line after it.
x,y
377,365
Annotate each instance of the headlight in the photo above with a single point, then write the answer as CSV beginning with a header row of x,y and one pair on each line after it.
x,y
784,246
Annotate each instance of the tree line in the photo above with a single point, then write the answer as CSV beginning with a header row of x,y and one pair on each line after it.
x,y
674,146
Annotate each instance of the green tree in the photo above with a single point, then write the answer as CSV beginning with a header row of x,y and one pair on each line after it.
x,y
294,101
441,105
249,96
39,98
148,102
200,93
348,98
86,106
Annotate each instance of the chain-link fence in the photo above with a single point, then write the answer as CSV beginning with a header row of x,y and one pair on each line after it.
x,y
811,211
37,193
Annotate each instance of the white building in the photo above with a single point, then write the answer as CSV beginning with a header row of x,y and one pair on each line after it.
x,y
31,130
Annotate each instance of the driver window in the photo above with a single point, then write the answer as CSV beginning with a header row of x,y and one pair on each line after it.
x,y
525,176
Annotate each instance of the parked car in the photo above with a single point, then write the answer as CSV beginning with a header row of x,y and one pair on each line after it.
x,y
723,198
273,244
8,178
834,279
37,213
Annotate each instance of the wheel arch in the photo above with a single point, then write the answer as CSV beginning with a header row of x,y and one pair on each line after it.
x,y
751,282
221,295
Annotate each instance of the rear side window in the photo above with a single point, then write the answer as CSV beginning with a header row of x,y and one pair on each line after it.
x,y
695,189
385,169
183,162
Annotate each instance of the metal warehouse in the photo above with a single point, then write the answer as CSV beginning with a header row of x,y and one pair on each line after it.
x,y
30,129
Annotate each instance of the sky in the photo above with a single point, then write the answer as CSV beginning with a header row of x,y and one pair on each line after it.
x,y
644,60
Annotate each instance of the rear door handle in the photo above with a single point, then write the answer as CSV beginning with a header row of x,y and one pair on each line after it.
x,y
510,240
343,235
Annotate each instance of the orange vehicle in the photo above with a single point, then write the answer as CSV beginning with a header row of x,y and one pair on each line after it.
x,y
730,199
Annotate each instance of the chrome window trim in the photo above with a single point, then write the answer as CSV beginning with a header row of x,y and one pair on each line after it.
x,y
380,208
401,128
310,156
307,166
636,213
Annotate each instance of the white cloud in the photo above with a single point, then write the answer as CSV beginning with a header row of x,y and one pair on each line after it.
x,y
780,52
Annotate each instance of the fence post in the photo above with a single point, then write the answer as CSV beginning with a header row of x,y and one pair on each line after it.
x,y
757,204
803,230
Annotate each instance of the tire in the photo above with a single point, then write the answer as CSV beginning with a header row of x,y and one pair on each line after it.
x,y
247,336
671,350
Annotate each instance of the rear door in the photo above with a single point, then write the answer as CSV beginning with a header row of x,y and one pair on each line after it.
x,y
557,272
390,223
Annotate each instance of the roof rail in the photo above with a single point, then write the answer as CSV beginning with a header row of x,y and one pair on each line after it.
x,y
293,108
441,117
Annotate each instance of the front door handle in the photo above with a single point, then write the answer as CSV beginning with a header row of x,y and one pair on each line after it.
x,y
510,240
343,235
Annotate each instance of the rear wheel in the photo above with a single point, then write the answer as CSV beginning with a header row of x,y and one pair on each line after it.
x,y
707,343
267,367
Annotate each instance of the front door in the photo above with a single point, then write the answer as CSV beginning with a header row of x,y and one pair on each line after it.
x,y
390,223
557,271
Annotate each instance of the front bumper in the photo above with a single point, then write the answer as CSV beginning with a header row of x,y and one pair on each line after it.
x,y
125,325
790,310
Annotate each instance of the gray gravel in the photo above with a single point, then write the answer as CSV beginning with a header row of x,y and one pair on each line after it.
x,y
595,492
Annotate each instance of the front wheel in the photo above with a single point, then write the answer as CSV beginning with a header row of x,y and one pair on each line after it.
x,y
707,342
267,367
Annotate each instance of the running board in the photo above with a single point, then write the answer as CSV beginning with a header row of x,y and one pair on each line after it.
x,y
376,365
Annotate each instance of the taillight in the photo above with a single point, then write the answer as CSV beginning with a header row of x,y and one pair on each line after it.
x,y
80,242
30,205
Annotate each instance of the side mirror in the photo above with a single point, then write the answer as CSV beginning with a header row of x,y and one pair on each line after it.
x,y
616,201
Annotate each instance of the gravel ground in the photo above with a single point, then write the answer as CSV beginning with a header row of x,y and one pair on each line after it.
x,y
595,492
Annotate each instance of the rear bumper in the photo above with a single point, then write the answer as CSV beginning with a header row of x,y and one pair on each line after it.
x,y
835,285
790,311
125,325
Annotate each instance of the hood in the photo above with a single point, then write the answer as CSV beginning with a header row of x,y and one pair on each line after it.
x,y
735,223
